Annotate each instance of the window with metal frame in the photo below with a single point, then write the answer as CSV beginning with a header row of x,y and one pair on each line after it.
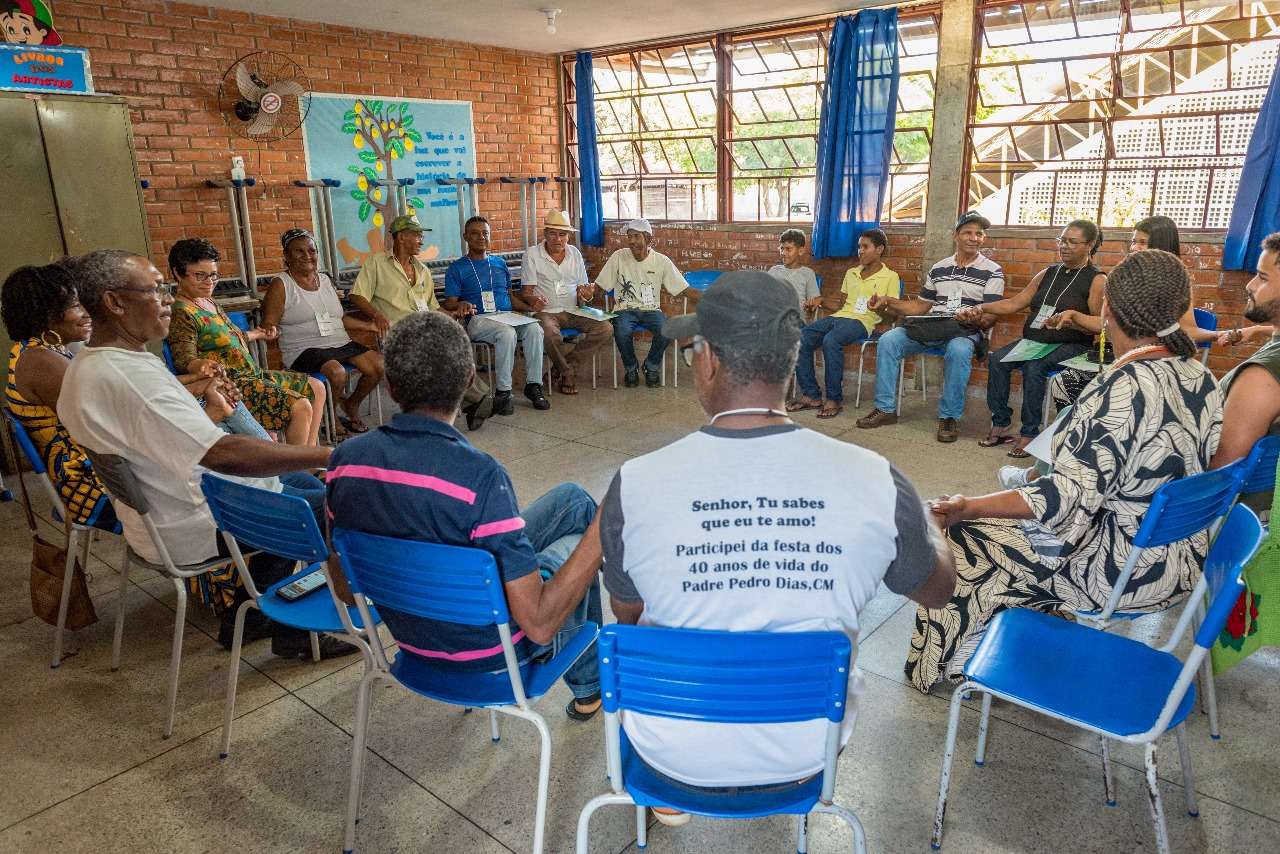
x,y
659,132
1115,110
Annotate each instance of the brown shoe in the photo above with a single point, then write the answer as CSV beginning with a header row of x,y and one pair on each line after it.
x,y
948,430
876,418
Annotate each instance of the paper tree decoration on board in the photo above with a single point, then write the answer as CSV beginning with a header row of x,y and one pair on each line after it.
x,y
28,22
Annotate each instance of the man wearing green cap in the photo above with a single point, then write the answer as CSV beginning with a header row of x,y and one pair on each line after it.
x,y
394,284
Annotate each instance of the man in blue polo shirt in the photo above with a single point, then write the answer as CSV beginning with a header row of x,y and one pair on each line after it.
x,y
418,478
479,284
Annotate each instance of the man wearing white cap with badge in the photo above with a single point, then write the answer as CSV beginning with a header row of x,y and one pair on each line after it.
x,y
637,276
553,280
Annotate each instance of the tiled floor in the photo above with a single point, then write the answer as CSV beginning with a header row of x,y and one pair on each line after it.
x,y
83,767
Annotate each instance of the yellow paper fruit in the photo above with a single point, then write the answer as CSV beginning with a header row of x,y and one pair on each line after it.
x,y
376,195
384,126
377,165
408,145
374,133
394,155
359,108
377,220
357,141
362,182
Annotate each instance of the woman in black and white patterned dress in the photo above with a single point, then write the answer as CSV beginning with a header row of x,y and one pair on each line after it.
x,y
1152,417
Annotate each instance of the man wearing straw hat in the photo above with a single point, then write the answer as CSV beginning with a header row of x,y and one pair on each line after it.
x,y
554,281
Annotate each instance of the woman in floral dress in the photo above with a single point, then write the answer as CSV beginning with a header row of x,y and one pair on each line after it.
x,y
201,331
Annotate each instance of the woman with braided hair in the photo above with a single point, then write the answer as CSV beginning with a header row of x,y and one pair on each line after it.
x,y
1153,416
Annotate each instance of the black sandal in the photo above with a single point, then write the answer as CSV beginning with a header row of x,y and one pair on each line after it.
x,y
577,714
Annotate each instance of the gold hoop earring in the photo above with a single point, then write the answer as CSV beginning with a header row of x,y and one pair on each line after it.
x,y
44,339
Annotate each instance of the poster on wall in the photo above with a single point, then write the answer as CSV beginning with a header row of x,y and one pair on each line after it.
x,y
363,140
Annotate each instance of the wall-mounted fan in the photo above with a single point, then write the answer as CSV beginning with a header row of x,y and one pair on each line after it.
x,y
264,96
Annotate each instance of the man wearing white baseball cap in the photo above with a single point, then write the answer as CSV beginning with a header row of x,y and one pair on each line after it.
x,y
553,280
638,275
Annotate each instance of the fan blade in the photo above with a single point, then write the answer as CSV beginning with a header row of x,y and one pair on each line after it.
x,y
287,88
262,124
249,90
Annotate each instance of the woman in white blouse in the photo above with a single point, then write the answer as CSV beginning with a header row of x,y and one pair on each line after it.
x,y
303,304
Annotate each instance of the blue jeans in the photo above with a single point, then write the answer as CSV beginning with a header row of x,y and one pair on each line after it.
x,y
832,334
554,524
625,326
308,487
242,422
894,346
1035,377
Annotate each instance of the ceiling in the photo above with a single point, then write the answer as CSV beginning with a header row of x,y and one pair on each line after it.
x,y
582,24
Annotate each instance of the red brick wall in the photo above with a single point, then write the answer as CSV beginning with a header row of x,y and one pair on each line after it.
x,y
1021,254
168,59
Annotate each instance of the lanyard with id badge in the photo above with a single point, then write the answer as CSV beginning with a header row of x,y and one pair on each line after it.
x,y
488,304
1049,307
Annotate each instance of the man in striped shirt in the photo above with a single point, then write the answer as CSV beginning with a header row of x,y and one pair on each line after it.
x,y
418,478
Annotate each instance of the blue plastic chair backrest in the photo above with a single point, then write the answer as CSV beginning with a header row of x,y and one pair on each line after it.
x,y
25,444
1185,506
263,520
166,352
701,279
1237,541
1206,320
240,319
447,583
725,677
819,280
1260,465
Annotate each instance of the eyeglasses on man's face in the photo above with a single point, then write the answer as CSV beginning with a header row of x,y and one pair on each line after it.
x,y
159,293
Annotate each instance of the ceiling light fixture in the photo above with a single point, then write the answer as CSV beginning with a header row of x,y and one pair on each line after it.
x,y
551,19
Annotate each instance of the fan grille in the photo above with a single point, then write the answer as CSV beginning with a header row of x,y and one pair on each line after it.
x,y
269,70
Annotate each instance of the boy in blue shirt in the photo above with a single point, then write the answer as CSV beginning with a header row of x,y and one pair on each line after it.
x,y
479,284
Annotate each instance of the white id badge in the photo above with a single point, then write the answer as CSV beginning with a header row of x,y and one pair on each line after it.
x,y
487,303
860,305
954,302
326,324
422,303
1045,312
647,295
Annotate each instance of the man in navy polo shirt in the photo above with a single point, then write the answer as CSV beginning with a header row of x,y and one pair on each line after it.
x,y
418,478
479,284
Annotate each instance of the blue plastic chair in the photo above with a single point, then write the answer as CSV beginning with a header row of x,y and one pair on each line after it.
x,y
862,357
280,525
570,335
1259,468
454,585
1114,686
1207,321
79,537
700,280
727,678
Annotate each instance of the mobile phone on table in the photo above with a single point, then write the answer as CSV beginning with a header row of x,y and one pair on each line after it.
x,y
300,587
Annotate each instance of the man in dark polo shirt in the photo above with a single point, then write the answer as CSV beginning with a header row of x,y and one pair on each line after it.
x,y
418,478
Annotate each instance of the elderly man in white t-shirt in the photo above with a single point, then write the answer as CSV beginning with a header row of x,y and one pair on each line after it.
x,y
744,486
638,275
553,279
118,398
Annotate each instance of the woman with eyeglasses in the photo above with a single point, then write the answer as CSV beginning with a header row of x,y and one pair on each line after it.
x,y
201,335
1073,284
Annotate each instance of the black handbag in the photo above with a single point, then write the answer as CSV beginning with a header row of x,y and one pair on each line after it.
x,y
936,330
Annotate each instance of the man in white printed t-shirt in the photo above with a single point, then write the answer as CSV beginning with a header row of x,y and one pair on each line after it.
x,y
745,538
637,276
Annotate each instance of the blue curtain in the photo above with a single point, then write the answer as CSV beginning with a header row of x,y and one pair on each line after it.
x,y
1257,209
855,134
588,162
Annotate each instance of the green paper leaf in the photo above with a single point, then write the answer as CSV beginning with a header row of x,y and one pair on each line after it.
x,y
371,175
349,115
398,147
354,170
407,121
417,202
368,157
349,127
365,208
358,195
413,135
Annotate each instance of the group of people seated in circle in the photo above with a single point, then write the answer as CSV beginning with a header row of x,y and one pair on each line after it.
x,y
1152,414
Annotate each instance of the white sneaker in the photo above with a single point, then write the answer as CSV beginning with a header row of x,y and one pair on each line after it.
x,y
1012,477
670,818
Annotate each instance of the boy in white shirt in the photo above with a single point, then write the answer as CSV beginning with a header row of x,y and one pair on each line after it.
x,y
637,276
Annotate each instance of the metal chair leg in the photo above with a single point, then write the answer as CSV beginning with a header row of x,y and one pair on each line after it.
x,y
980,757
802,828
1188,777
859,835
584,817
953,724
495,733
1153,799
121,598
363,700
64,602
175,656
233,676
315,646
1108,782
642,828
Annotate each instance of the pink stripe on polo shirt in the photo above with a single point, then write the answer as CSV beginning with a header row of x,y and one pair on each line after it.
x,y
502,526
406,478
465,655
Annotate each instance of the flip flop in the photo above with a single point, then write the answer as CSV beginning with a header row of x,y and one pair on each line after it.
x,y
575,714
1018,453
996,441
799,405
352,425
567,385
830,411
